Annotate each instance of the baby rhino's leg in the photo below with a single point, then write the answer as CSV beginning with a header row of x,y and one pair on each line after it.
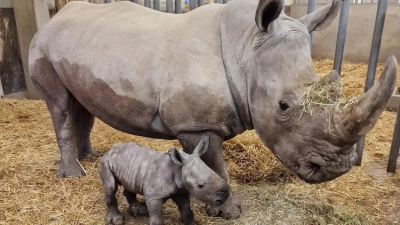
x,y
155,211
183,203
110,185
135,208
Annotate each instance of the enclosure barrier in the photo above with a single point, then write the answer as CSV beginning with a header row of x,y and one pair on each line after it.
x,y
373,61
341,37
312,4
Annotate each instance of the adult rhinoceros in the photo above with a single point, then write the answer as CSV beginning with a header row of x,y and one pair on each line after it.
x,y
217,70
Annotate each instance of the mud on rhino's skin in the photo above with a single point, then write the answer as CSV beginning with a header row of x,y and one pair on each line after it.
x,y
219,69
159,176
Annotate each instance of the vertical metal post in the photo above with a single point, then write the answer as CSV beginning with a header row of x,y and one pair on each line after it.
x,y
147,3
341,37
136,1
178,7
108,1
156,5
283,5
373,60
201,2
169,6
225,1
312,4
192,4
217,1
394,148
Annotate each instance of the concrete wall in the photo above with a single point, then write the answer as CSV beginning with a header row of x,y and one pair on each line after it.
x,y
360,29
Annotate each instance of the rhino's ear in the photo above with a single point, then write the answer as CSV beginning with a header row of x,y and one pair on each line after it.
x,y
202,147
323,17
267,11
176,156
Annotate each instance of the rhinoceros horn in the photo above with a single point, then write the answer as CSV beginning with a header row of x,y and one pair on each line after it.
x,y
361,118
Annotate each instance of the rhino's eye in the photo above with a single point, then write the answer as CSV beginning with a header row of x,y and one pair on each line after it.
x,y
201,185
283,105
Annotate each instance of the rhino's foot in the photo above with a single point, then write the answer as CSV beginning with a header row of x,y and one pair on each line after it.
x,y
138,210
88,153
116,218
230,210
70,170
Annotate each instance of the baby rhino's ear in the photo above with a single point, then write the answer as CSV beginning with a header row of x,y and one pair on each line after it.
x,y
176,156
202,147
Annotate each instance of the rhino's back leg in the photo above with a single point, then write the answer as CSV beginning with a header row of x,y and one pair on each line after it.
x,y
61,105
83,123
110,185
135,208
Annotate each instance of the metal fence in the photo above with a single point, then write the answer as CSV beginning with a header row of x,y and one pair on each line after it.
x,y
351,1
372,64
169,6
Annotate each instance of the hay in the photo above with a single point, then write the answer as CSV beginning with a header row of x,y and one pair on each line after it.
x,y
31,194
326,94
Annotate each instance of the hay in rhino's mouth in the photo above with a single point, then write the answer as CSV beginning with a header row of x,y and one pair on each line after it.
x,y
326,93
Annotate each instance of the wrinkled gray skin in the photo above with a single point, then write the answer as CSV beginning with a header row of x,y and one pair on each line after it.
x,y
158,177
217,70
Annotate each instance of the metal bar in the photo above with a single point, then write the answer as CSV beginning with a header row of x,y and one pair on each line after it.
x,y
147,3
108,1
156,5
136,1
192,4
170,7
201,3
373,60
178,7
312,4
283,5
217,1
225,1
394,148
341,37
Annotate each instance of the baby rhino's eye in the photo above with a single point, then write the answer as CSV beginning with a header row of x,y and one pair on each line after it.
x,y
201,184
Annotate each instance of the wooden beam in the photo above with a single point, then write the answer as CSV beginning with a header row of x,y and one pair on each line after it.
x,y
26,28
6,4
42,15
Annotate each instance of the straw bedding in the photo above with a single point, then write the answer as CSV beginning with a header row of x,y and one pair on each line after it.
x,y
31,194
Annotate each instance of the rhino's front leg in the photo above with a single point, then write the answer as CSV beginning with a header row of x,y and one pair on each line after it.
x,y
231,209
155,211
183,203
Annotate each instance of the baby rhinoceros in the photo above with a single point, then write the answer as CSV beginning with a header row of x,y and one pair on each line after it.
x,y
159,176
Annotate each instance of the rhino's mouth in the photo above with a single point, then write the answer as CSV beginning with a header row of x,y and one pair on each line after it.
x,y
317,169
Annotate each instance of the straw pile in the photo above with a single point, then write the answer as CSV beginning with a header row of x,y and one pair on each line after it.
x,y
31,194
326,94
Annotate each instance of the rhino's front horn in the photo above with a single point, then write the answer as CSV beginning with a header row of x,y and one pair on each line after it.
x,y
361,118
